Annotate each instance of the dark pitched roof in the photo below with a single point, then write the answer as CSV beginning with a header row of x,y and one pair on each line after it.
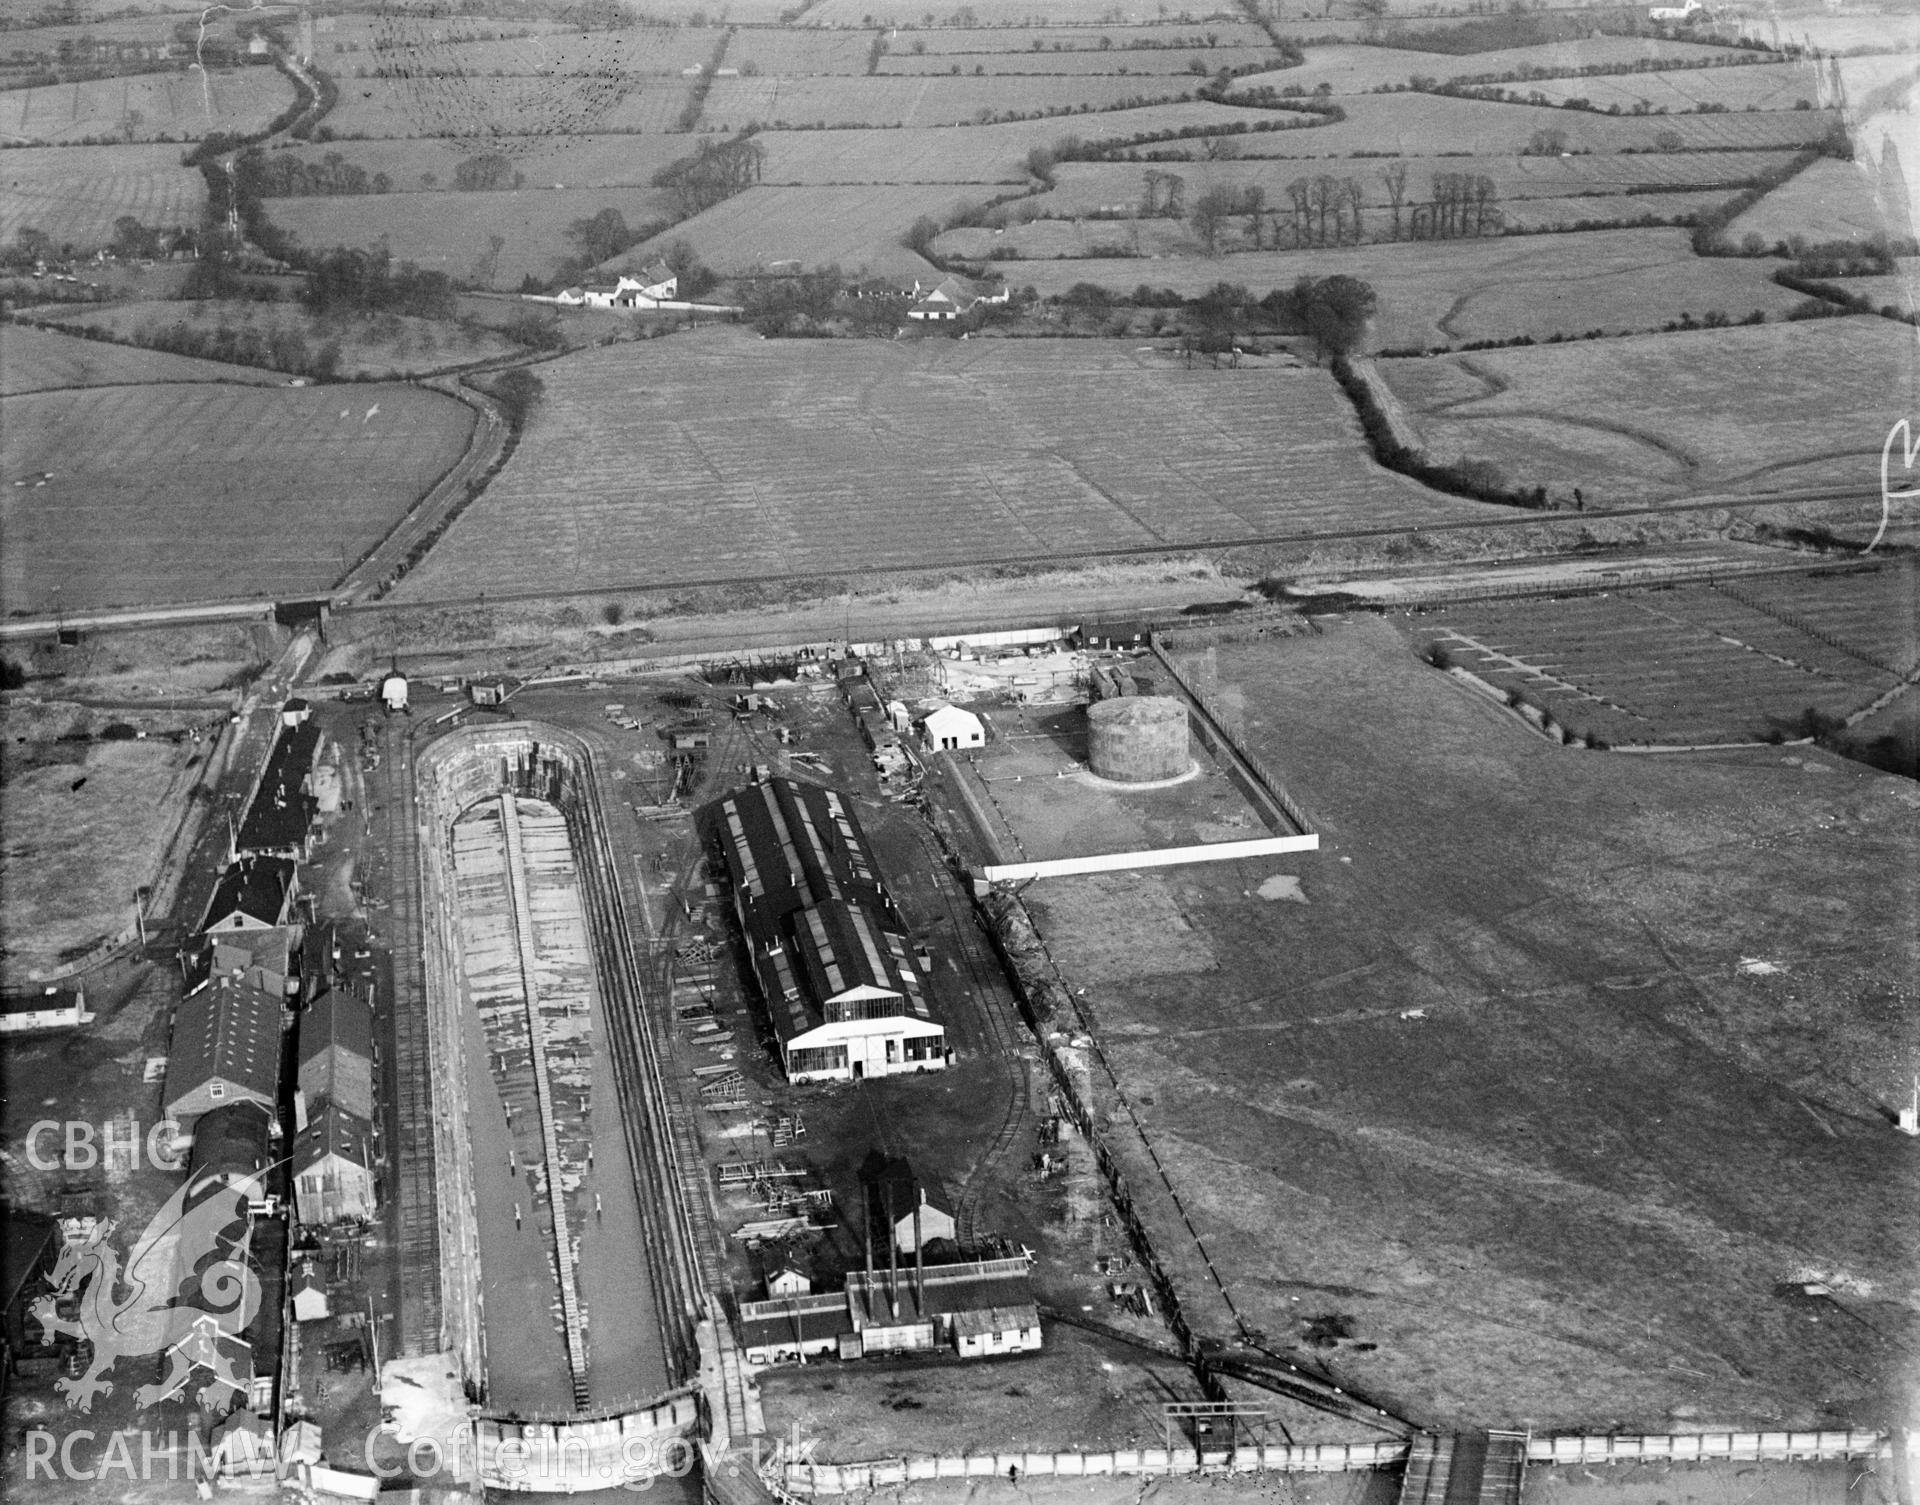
x,y
845,946
231,1030
340,1016
230,1141
815,1317
33,1003
333,1131
949,1289
788,845
892,1177
282,810
255,886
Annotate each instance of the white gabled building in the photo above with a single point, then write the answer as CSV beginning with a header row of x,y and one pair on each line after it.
x,y
948,729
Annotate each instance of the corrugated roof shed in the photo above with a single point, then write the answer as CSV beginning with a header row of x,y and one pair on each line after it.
x,y
230,1143
794,1319
789,845
848,946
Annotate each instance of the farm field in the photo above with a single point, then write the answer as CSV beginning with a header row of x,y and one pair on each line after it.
x,y
1410,125
452,232
1899,290
389,345
644,50
1614,209
857,228
209,492
1136,62
1354,69
1830,200
926,453
145,106
1762,86
75,193
474,111
1681,667
1872,612
43,360
1572,1188
734,103
962,154
1449,292
1005,41
1662,415
589,161
791,52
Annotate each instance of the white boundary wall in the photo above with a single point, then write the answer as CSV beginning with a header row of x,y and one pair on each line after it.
x,y
1116,862
1783,1447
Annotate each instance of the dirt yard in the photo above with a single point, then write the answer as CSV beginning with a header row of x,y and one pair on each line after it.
x,y
1646,1084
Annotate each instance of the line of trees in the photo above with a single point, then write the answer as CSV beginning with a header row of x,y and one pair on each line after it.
x,y
282,175
713,173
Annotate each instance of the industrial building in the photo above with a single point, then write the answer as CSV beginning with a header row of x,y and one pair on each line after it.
x,y
51,1008
333,1180
226,1049
832,962
978,1309
336,1051
898,1199
254,893
232,1147
279,819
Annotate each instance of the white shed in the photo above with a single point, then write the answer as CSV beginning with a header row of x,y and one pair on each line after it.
x,y
949,727
393,691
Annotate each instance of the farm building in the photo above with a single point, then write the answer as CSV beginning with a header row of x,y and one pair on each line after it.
x,y
232,1147
897,1198
831,960
253,894
226,1049
948,728
653,284
333,1169
279,821
949,298
52,1008
336,1051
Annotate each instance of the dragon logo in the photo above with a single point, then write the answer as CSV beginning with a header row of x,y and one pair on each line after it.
x,y
135,1311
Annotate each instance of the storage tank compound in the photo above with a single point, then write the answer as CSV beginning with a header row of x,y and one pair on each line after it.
x,y
1138,739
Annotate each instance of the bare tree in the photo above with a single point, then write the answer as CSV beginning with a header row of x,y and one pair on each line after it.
x,y
1299,195
1327,200
1150,206
1176,187
1395,177
1210,214
1356,197
1253,204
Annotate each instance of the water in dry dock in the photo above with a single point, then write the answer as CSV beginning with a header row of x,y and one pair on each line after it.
x,y
527,1367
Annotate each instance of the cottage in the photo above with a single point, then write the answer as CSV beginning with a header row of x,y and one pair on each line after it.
x,y
947,728
651,286
225,1050
333,1169
51,1008
950,298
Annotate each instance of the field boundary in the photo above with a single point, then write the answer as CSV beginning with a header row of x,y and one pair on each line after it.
x,y
1214,734
1117,862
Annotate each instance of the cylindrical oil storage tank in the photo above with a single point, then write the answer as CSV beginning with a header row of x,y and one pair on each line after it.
x,y
1138,739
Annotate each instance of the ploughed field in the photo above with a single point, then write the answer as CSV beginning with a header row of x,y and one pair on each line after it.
x,y
1693,664
44,360
1550,1074
158,494
723,456
75,193
181,106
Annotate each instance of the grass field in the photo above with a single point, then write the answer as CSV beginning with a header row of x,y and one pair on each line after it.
x,y
855,227
1830,200
1351,69
1680,667
1571,1191
586,161
643,50
881,101
793,52
41,360
734,456
1178,37
145,106
392,345
1657,415
452,232
89,820
1450,292
1137,62
1764,86
476,110
75,193
189,493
